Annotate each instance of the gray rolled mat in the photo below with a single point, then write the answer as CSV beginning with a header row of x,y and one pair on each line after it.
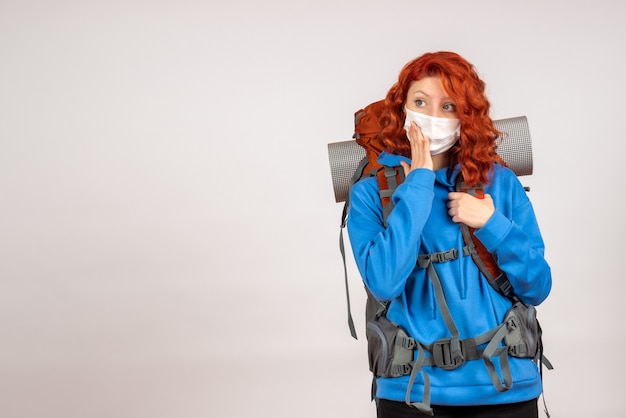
x,y
514,147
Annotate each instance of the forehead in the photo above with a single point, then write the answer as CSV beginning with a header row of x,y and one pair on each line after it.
x,y
430,86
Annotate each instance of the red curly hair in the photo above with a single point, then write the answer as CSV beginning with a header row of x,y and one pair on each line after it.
x,y
475,150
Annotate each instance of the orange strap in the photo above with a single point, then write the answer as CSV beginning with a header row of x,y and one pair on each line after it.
x,y
485,260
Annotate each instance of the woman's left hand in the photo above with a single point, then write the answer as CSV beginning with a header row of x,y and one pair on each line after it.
x,y
470,210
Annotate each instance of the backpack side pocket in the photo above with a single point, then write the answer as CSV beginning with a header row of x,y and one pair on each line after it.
x,y
388,348
524,331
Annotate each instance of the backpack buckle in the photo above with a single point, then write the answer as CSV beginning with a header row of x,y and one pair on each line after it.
x,y
444,256
446,356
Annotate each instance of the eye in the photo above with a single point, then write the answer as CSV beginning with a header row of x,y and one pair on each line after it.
x,y
419,103
449,107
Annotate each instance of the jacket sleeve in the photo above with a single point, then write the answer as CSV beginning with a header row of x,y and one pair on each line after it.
x,y
513,235
385,257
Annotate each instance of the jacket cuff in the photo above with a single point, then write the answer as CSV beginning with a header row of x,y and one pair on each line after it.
x,y
494,231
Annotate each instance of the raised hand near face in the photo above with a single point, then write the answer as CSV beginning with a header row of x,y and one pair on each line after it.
x,y
420,150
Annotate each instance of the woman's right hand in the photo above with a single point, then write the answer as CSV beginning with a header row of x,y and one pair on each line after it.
x,y
420,150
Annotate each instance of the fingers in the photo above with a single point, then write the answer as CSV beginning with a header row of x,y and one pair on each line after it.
x,y
453,206
420,148
467,209
406,167
416,137
454,196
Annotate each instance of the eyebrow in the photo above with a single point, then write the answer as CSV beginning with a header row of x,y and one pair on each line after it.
x,y
428,95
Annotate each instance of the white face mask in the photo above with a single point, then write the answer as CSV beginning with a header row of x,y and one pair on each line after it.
x,y
443,132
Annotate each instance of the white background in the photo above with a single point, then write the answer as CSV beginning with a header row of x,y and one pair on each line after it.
x,y
168,230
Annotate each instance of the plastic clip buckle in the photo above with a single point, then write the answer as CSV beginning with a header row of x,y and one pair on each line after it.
x,y
444,256
444,357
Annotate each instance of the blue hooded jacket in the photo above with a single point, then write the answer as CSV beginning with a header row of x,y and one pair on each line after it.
x,y
420,224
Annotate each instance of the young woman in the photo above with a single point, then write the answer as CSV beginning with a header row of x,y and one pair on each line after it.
x,y
436,126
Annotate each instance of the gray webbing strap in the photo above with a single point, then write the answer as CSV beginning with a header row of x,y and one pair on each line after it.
x,y
392,185
423,406
355,177
426,261
390,173
472,251
492,337
493,349
345,272
497,335
470,350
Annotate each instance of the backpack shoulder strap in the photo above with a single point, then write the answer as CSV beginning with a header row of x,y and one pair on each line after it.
x,y
485,261
389,178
